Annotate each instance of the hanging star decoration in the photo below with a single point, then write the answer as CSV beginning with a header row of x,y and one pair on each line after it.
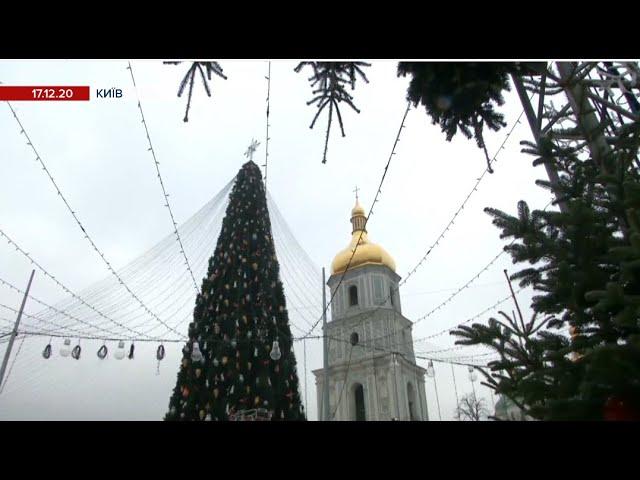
x,y
331,78
209,67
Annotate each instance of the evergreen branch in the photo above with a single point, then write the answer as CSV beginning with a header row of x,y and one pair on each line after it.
x,y
331,79
189,77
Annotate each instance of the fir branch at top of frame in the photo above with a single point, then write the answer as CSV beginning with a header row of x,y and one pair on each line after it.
x,y
189,77
331,79
463,97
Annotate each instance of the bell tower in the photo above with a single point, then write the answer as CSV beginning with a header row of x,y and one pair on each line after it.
x,y
372,373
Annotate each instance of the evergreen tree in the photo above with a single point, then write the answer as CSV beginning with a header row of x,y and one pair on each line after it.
x,y
585,266
228,365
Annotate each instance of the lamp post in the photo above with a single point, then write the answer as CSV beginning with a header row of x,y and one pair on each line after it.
x,y
431,372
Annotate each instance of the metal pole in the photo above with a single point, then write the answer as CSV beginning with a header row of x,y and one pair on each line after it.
x,y
266,152
325,343
7,353
534,124
435,386
584,114
455,387
304,346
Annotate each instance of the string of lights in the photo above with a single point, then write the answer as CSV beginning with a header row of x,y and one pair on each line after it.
x,y
75,217
470,319
267,138
375,199
101,338
117,305
52,277
444,290
40,320
449,361
83,335
61,312
466,285
205,230
305,263
457,347
464,202
75,332
397,352
300,271
164,191
297,275
201,259
454,294
15,357
138,271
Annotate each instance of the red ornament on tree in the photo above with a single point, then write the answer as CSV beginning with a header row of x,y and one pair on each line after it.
x,y
616,408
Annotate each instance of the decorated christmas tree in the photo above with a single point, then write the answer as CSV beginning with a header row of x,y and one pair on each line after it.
x,y
239,361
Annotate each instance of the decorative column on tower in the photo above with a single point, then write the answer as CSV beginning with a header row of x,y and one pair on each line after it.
x,y
372,370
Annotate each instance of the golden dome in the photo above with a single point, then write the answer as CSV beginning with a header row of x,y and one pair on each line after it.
x,y
367,253
357,210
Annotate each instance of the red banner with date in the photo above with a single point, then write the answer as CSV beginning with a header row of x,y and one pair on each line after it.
x,y
44,93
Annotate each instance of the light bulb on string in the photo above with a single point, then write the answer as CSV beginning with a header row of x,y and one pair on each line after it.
x,y
431,372
196,354
120,353
46,353
275,351
75,353
102,352
65,351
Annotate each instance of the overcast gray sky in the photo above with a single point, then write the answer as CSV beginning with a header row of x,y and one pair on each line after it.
x,y
97,153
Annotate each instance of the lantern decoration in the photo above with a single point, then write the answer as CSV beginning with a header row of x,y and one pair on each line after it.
x,y
120,354
431,372
65,351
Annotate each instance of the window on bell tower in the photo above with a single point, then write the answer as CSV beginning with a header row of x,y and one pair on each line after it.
x,y
353,295
378,295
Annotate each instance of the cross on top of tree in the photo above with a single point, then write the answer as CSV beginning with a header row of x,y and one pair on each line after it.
x,y
251,150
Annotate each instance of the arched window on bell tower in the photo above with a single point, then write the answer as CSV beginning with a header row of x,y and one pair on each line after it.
x,y
360,413
353,295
